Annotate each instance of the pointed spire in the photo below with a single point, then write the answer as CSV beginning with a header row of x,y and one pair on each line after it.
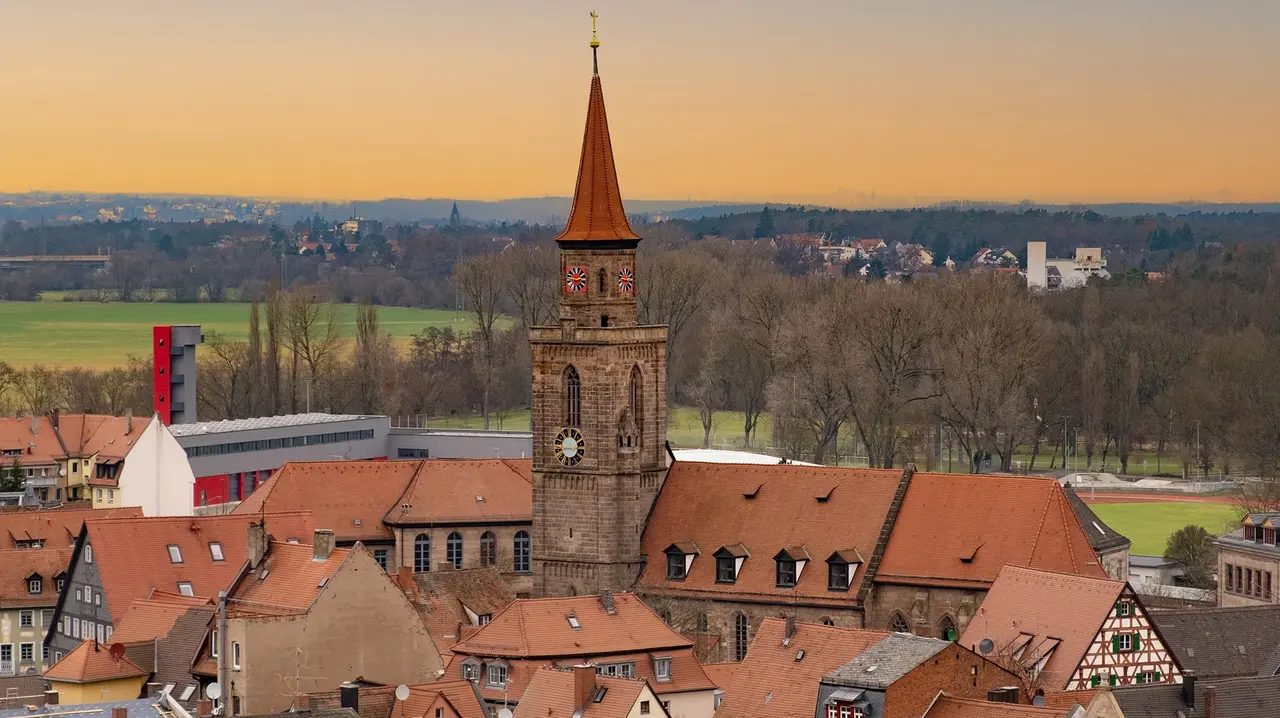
x,y
597,212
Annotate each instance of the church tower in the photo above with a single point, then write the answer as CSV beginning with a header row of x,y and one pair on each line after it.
x,y
599,391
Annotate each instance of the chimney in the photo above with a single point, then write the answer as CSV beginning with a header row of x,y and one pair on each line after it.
x,y
53,419
1210,701
350,696
153,690
322,545
1189,690
302,703
128,422
584,685
606,600
257,544
119,712
35,425
204,708
51,698
790,629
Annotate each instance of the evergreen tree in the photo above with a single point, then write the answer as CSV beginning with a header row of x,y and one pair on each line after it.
x,y
764,229
12,479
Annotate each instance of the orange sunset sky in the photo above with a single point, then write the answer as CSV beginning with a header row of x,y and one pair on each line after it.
x,y
806,100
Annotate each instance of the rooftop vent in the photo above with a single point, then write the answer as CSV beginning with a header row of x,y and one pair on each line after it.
x,y
479,499
800,655
752,493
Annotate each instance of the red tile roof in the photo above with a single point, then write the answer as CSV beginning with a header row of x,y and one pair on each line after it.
x,y
822,509
147,620
106,436
133,558
539,628
423,697
686,673
721,674
551,694
39,449
90,662
18,565
443,597
450,491
951,707
597,211
287,581
771,682
961,529
348,497
1051,607
57,528
1064,700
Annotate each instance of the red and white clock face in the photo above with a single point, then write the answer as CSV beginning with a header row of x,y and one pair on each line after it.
x,y
575,280
626,280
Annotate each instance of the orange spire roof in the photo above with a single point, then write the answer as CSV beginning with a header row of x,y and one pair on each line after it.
x,y
597,202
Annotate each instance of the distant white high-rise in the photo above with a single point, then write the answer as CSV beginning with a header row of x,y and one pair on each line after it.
x,y
1037,271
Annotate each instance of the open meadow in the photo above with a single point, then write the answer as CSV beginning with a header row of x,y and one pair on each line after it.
x,y
1149,524
101,335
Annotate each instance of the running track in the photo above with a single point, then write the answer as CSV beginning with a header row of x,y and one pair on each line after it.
x,y
1109,497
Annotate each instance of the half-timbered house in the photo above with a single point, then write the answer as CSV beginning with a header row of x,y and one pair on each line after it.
x,y
1065,632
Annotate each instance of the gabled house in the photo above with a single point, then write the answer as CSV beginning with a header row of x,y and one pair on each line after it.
x,y
579,692
92,672
164,633
454,604
1249,562
617,634
120,560
1068,632
52,528
29,583
304,618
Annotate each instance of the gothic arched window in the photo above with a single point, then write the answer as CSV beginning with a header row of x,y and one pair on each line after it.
x,y
453,549
573,397
947,629
602,284
898,623
421,553
488,549
635,398
740,637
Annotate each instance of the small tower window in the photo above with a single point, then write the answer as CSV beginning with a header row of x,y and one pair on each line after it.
x,y
602,285
635,397
604,320
573,397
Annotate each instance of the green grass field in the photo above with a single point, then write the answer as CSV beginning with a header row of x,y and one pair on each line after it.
x,y
1149,524
100,336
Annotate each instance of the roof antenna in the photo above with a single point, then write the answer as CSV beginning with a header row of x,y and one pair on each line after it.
x,y
595,45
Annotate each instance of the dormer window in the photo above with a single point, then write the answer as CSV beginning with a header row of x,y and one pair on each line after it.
x,y
789,565
471,668
680,559
35,584
662,668
841,567
729,562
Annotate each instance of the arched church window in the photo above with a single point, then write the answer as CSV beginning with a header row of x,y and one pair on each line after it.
x,y
602,285
635,398
898,623
947,629
573,397
740,637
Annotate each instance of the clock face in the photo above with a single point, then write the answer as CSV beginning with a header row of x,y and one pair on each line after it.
x,y
626,280
569,447
575,279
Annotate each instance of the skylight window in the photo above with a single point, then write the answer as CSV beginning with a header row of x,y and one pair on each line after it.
x,y
184,588
573,622
215,550
175,554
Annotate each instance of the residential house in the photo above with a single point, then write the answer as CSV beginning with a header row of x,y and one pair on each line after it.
x,y
92,673
29,583
912,552
1214,643
419,514
68,457
29,528
1154,571
804,670
120,560
949,706
164,633
988,258
578,692
1227,698
1249,561
158,478
440,699
1070,632
867,248
1111,547
303,618
618,634
454,604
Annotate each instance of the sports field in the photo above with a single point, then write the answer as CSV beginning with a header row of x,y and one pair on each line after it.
x,y
1149,523
102,335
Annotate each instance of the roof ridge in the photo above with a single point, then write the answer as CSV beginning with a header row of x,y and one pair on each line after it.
x,y
1076,576
1040,531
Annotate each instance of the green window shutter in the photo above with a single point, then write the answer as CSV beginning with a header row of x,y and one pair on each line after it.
x,y
1115,643
1140,680
1137,642
1158,676
1095,680
1111,679
1118,610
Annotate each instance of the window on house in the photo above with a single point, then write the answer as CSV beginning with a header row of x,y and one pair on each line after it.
x,y
27,653
213,643
453,549
662,669
740,637
644,708
88,553
215,550
1266,585
439,713
837,576
102,634
235,655
46,617
1125,642
1231,577
675,566
26,619
470,671
88,594
898,623
726,569
35,585
175,554
380,556
421,553
1122,608
786,573
497,675
573,397
184,588
66,625
522,561
60,583
488,549
44,654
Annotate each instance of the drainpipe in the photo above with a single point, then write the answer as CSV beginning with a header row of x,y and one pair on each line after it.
x,y
223,667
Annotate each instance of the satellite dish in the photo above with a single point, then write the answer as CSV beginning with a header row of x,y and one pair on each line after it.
x,y
213,691
402,692
116,650
505,713
986,645
1037,701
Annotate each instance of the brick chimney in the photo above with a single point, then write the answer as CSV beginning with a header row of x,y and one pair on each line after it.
x,y
257,544
51,698
1210,701
606,600
584,685
302,703
789,629
349,696
204,708
153,690
35,425
119,712
128,422
1189,689
322,545
53,417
